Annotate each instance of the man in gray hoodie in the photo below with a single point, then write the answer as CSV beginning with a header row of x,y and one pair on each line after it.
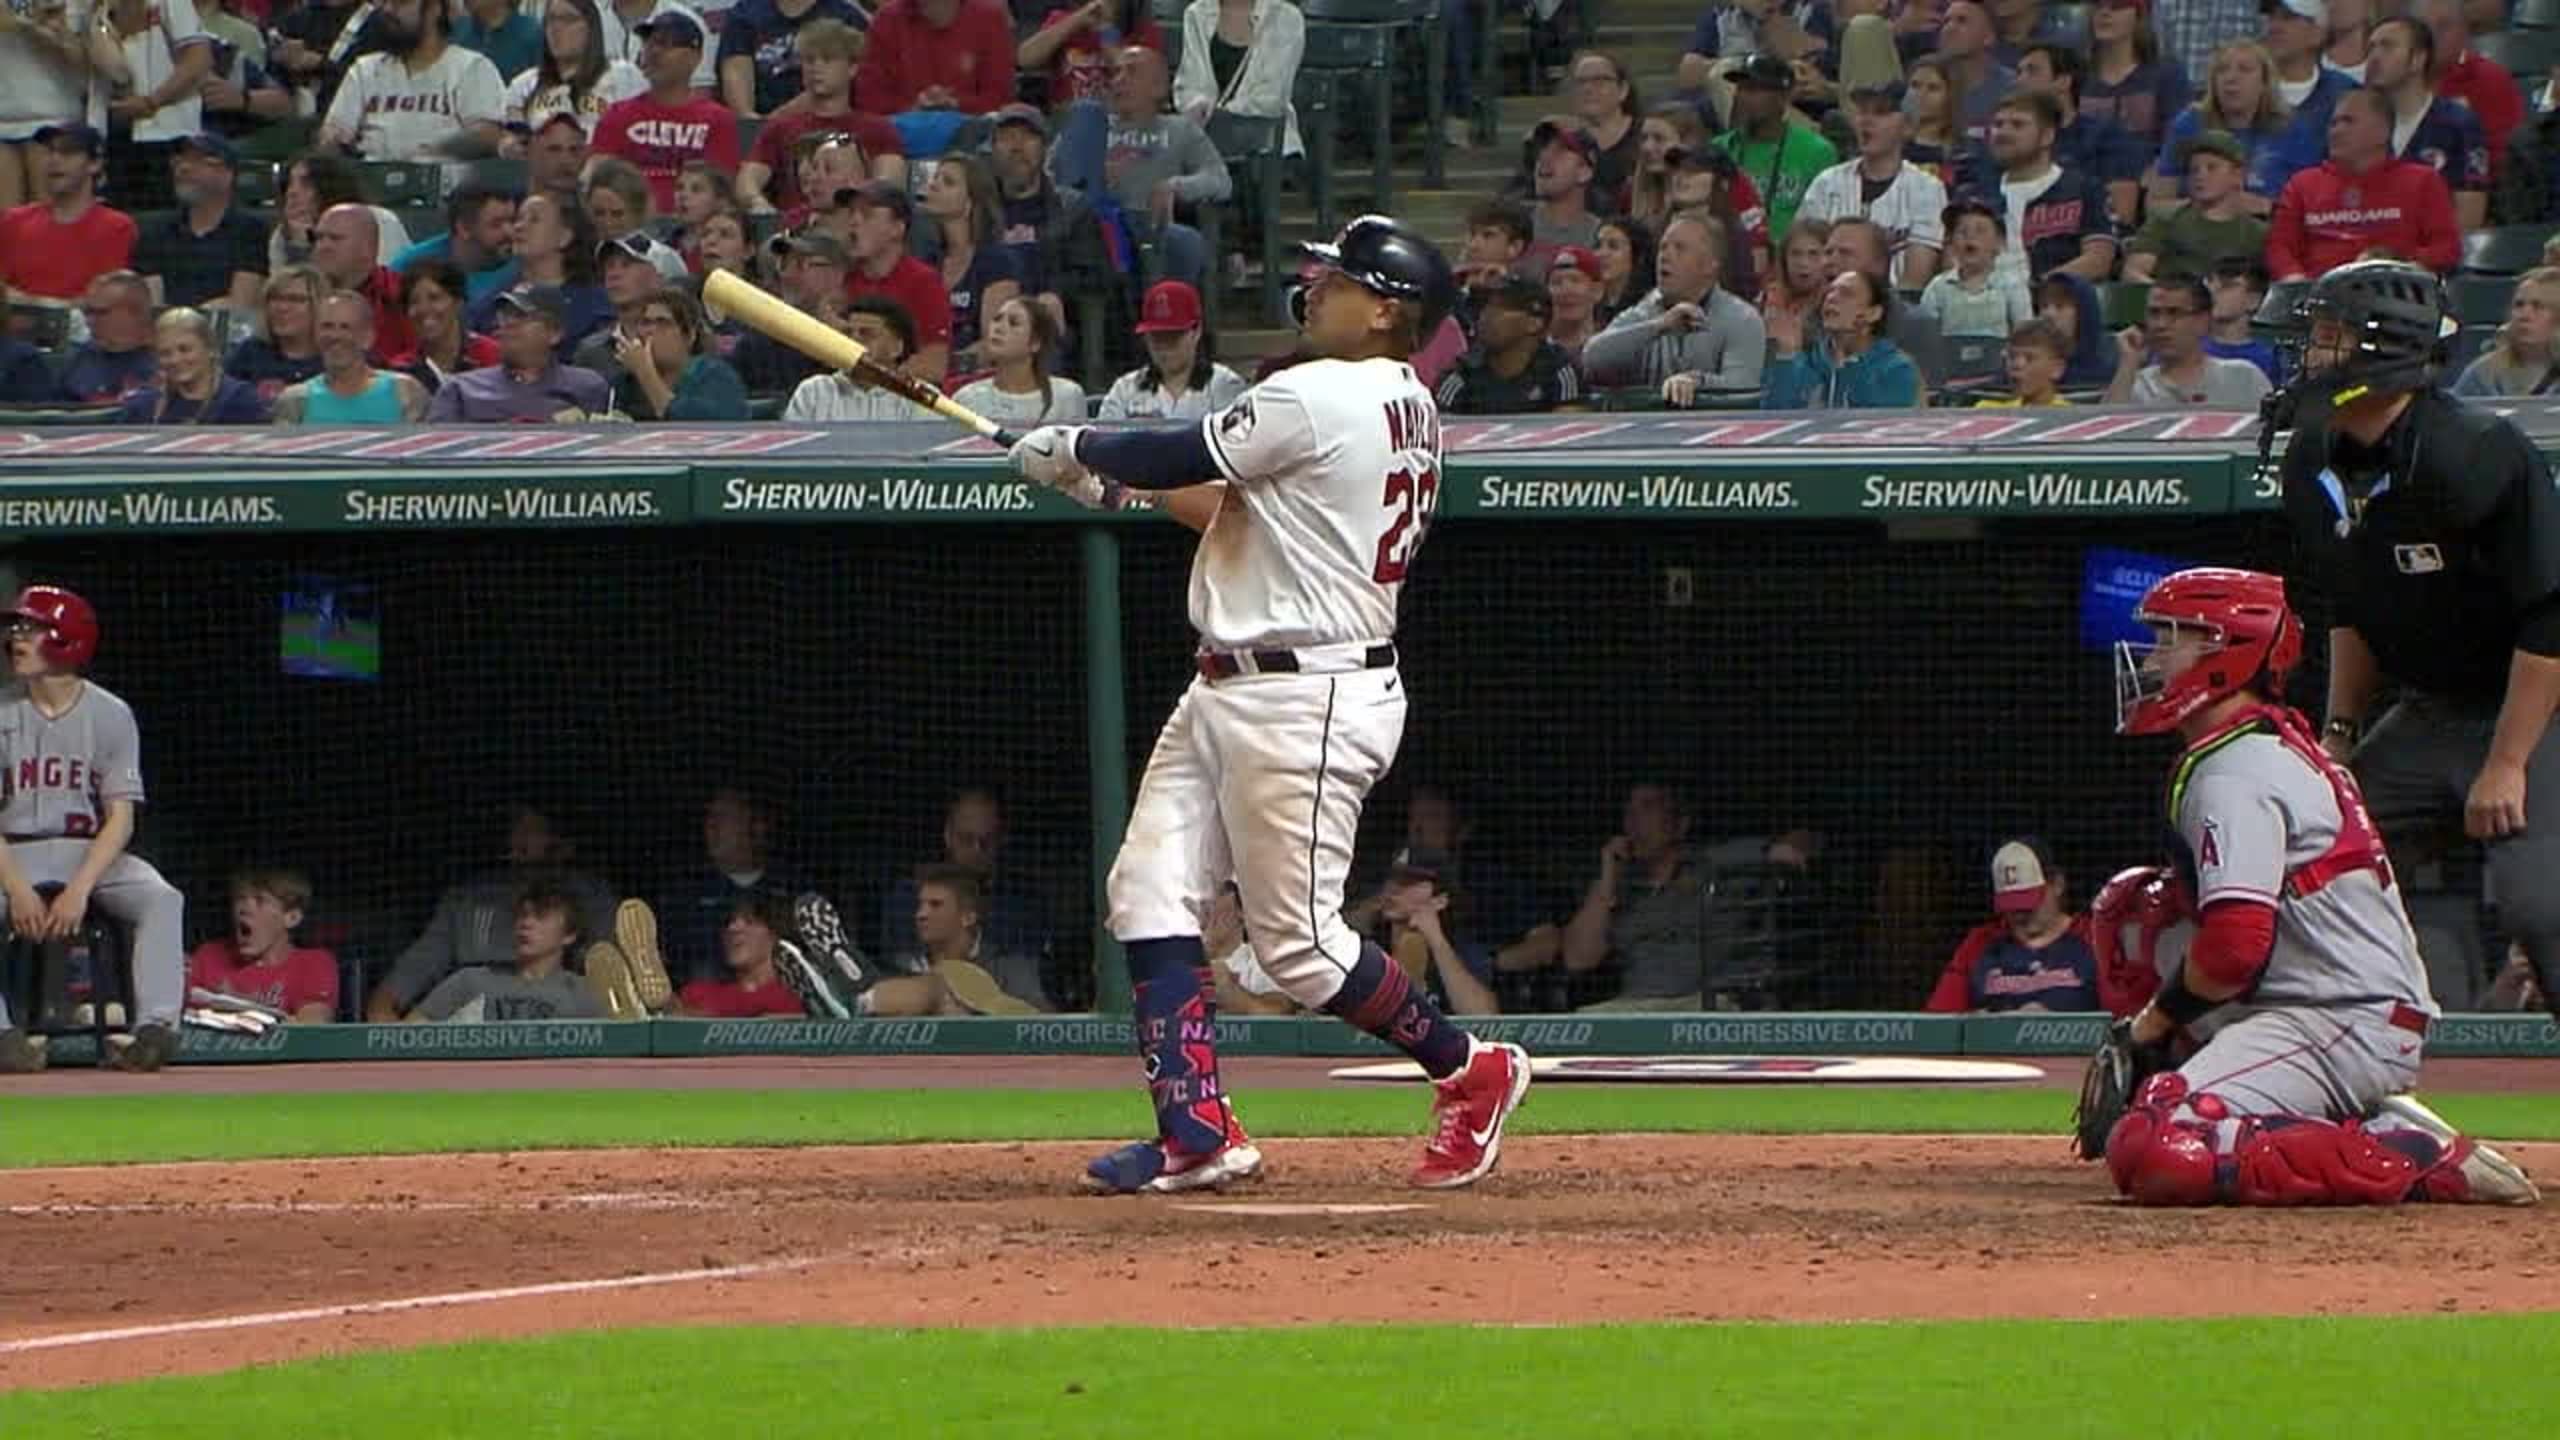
x,y
1687,326
1152,162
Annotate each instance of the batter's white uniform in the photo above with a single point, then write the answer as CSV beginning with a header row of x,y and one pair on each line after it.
x,y
1332,468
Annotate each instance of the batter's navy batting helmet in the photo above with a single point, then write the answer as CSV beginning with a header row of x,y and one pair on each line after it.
x,y
1392,258
69,623
2256,642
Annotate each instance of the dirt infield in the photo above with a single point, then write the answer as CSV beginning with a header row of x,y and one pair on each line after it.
x,y
127,1271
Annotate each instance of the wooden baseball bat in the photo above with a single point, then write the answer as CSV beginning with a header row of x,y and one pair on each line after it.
x,y
763,311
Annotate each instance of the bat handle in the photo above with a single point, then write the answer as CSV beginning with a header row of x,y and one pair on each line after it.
x,y
1005,438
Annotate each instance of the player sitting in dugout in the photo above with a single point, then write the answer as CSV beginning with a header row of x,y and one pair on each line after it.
x,y
2275,1063
539,986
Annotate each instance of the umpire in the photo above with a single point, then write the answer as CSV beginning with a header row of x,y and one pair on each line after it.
x,y
2434,532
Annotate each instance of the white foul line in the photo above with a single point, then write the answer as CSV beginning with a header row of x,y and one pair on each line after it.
x,y
387,1307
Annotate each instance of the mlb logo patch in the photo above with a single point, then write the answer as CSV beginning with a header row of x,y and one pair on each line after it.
x,y
2418,559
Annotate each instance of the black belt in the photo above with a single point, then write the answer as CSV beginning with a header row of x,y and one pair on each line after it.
x,y
25,839
1227,664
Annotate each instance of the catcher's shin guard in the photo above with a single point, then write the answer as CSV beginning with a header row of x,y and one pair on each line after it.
x,y
2157,1156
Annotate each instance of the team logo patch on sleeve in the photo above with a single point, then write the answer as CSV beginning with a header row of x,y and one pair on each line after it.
x,y
1238,422
2209,845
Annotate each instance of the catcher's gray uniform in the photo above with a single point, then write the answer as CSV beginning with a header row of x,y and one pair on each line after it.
x,y
58,774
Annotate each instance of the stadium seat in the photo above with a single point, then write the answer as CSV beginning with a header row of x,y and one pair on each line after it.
x,y
1251,147
1974,361
2538,15
401,185
258,186
1365,36
2504,249
1314,98
2525,54
2481,299
2468,345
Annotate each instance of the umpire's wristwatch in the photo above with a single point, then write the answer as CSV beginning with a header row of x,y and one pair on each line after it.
x,y
2343,727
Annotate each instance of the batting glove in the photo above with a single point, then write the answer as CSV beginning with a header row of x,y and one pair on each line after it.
x,y
1047,456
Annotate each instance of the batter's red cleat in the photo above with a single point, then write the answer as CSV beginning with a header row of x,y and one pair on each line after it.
x,y
1467,1115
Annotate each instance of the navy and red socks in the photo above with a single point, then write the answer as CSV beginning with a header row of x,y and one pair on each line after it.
x,y
1177,1023
1377,996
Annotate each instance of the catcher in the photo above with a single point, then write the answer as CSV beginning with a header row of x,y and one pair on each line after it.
x,y
2296,987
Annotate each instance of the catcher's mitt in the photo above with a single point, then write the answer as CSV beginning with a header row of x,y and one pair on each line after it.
x,y
2106,1091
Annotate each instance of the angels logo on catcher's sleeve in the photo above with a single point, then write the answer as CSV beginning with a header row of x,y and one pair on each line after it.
x,y
2209,845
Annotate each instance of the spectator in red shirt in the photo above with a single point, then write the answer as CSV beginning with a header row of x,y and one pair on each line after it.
x,y
2034,954
882,266
2464,74
52,248
2359,198
753,987
949,56
346,248
258,959
828,51
672,124
1075,46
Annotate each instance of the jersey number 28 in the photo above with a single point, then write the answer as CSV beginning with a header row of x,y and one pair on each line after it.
x,y
1410,494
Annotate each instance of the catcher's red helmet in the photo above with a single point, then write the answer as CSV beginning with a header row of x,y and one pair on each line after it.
x,y
2256,640
69,623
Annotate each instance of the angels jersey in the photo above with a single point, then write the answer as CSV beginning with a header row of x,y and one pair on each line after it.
x,y
1333,467
2250,814
59,773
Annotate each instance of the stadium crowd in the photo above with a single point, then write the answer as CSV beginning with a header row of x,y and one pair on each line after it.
x,y
404,210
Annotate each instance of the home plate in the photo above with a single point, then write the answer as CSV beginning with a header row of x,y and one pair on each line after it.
x,y
1740,1069
1251,1207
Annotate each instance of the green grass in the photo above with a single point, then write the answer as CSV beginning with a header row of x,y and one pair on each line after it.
x,y
67,1130
2043,1380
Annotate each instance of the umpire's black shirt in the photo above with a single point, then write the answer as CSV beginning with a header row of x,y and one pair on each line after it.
x,y
2440,544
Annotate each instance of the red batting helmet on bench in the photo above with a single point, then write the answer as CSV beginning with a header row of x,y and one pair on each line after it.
x,y
69,623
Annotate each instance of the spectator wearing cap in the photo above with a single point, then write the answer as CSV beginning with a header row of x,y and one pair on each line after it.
x,y
2091,145
671,125
2307,86
438,297
1976,80
828,51
346,250
2191,30
2240,100
1563,161
813,266
978,273
888,334
420,95
932,62
1513,368
116,359
2464,75
503,32
619,200
759,68
2127,81
882,266
1055,236
1241,56
668,370
151,63
1150,164
2213,226
1498,236
1882,185
2163,361
52,247
630,282
572,74
478,240
1852,364
1573,299
2425,126
554,245
349,390
528,385
190,388
1422,933
830,169
2057,216
207,252
1974,296
2033,954
555,158
1018,389
1180,380
1779,154
2360,198
1689,325
1074,44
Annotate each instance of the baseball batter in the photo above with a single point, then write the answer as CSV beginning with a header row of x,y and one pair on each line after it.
x,y
70,775
1323,481
2301,978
